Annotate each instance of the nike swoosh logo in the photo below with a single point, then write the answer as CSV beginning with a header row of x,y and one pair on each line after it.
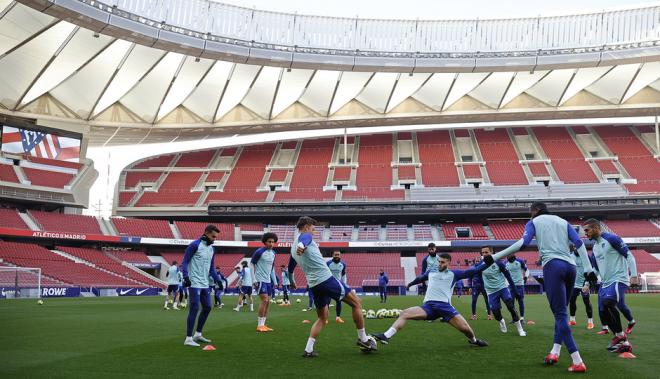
x,y
138,292
124,292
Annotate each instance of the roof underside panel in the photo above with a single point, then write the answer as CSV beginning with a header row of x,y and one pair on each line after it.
x,y
204,99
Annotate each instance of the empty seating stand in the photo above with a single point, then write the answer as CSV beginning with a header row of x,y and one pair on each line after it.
x,y
437,157
453,230
507,230
567,160
341,232
496,148
422,232
9,218
396,232
633,228
57,222
193,230
142,228
368,232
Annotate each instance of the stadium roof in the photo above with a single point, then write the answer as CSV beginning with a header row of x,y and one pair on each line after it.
x,y
137,73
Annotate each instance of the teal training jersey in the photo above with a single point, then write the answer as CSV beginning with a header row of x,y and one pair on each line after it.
x,y
494,278
173,275
517,270
615,262
198,263
311,261
338,270
263,260
285,278
246,277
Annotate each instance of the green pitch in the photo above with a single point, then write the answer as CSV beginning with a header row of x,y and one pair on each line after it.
x,y
135,337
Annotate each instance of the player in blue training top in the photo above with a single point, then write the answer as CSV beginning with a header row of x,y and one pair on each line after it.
x,y
495,279
338,269
245,282
618,270
518,270
218,289
581,288
477,286
172,286
263,261
182,294
429,262
553,236
323,286
437,301
285,282
383,279
198,263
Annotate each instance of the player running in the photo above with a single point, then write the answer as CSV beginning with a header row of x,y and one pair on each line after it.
x,y
553,235
477,285
245,283
263,261
437,301
581,288
198,263
618,270
172,286
518,270
495,279
285,285
338,270
323,286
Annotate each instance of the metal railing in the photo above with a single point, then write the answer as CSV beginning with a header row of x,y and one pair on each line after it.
x,y
619,29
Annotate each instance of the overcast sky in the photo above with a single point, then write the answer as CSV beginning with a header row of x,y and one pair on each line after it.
x,y
110,161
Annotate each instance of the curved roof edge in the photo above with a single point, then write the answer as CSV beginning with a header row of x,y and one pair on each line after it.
x,y
490,45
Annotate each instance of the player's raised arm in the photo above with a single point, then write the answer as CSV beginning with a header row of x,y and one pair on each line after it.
x,y
530,232
303,241
469,273
420,279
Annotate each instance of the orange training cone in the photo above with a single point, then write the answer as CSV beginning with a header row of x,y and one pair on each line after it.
x,y
627,355
306,322
208,348
530,322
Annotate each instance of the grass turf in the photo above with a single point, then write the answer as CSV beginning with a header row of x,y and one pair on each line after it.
x,y
134,337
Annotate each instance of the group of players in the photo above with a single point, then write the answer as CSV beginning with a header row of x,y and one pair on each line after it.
x,y
568,272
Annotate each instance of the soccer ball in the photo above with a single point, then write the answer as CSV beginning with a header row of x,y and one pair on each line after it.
x,y
183,305
297,300
371,313
40,302
280,301
364,313
370,338
381,313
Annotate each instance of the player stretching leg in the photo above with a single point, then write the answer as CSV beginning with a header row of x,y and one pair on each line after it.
x,y
553,236
198,263
262,262
323,286
172,286
338,270
518,270
437,301
476,283
581,288
618,270
245,284
495,279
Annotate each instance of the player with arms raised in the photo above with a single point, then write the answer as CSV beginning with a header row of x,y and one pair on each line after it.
x,y
437,301
553,236
323,286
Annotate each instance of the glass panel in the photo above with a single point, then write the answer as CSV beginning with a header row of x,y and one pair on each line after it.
x,y
79,50
81,90
376,93
140,60
25,63
147,96
204,99
184,84
350,85
19,24
291,88
238,86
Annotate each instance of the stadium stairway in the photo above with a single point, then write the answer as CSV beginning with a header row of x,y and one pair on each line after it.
x,y
29,221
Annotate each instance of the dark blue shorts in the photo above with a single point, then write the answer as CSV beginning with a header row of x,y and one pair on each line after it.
x,y
439,309
263,287
615,291
520,291
172,288
246,290
331,289
495,297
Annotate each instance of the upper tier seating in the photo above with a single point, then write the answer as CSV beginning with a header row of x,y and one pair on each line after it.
x,y
53,222
9,218
567,159
193,230
142,228
496,148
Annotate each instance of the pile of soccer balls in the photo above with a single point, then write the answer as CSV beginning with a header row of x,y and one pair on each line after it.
x,y
381,313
